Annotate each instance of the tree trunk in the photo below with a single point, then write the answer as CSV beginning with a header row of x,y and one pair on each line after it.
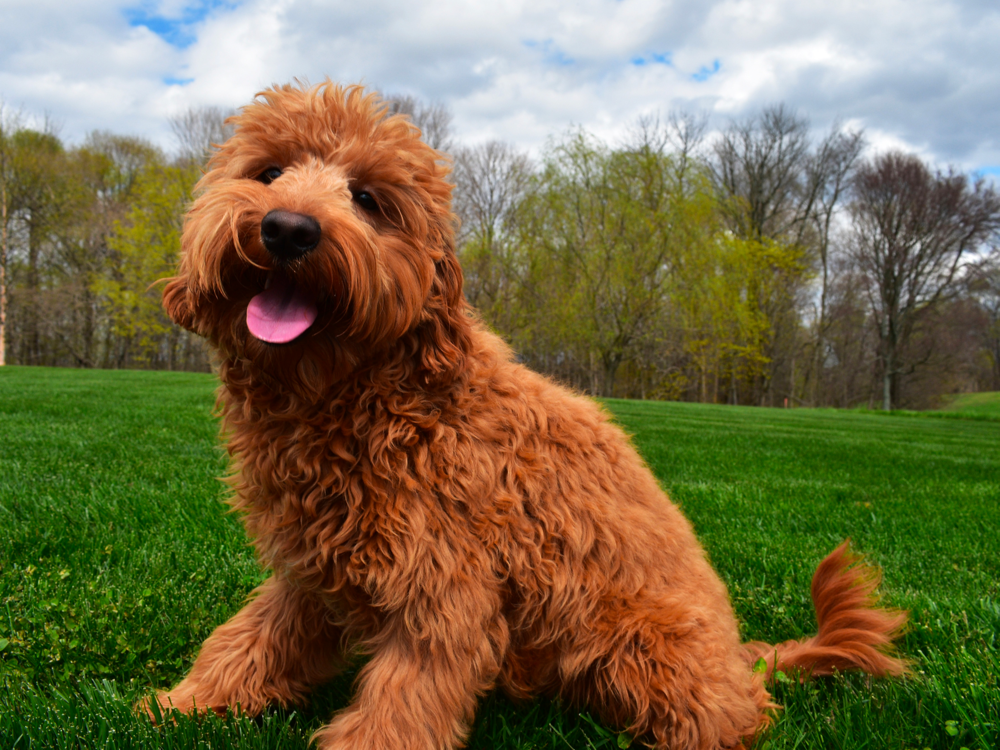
x,y
593,373
611,364
996,365
31,337
820,358
3,269
88,323
889,343
887,382
172,341
703,389
791,382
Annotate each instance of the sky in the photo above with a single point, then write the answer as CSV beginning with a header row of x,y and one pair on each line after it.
x,y
922,75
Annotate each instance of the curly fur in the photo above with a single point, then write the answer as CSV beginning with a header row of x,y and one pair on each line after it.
x,y
422,498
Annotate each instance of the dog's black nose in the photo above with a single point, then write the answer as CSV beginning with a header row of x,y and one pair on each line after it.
x,y
288,235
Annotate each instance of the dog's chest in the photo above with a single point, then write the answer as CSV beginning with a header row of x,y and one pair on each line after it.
x,y
340,517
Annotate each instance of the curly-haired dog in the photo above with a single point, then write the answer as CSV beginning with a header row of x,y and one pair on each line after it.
x,y
421,497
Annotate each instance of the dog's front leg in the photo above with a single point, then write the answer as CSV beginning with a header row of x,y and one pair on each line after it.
x,y
275,648
432,661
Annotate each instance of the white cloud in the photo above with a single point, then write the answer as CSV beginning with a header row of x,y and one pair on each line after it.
x,y
923,74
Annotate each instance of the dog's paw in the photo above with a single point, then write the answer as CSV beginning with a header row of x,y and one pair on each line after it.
x,y
346,732
355,730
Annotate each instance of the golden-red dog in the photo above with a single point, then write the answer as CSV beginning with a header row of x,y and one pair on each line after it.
x,y
421,497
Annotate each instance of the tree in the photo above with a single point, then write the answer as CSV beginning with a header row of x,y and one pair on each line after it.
x,y
768,181
108,171
434,119
605,229
850,341
911,231
143,249
38,195
715,296
8,125
828,173
760,167
199,130
491,181
984,288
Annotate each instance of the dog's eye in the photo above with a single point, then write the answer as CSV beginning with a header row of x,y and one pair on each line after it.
x,y
366,200
269,175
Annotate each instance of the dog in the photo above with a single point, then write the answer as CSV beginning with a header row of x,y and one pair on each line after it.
x,y
421,498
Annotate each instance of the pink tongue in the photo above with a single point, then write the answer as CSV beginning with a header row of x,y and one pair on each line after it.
x,y
281,313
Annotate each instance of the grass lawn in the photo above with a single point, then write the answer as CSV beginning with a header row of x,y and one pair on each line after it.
x,y
975,405
117,559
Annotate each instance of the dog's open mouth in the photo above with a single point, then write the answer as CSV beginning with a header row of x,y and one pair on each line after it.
x,y
282,312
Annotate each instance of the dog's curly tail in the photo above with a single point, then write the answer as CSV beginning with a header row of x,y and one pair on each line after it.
x,y
854,634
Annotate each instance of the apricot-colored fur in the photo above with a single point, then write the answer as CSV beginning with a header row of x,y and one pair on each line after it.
x,y
422,498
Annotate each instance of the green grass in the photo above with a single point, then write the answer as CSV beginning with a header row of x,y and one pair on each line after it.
x,y
117,559
975,405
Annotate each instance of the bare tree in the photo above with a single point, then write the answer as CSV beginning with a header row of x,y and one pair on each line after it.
x,y
490,180
759,168
490,183
828,174
911,231
984,287
434,119
7,125
681,135
199,130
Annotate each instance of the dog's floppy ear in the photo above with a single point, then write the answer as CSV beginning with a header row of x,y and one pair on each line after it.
x,y
448,279
177,302
446,337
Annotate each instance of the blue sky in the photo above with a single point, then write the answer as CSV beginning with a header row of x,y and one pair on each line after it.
x,y
178,24
923,75
705,71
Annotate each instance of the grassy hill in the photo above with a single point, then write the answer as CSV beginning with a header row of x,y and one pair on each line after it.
x,y
117,559
975,405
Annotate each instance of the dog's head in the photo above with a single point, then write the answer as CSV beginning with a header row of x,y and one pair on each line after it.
x,y
321,241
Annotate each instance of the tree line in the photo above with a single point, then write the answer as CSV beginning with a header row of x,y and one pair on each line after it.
x,y
755,265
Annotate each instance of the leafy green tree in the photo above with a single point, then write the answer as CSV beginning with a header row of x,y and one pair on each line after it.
x,y
605,230
38,195
143,249
722,292
8,125
108,171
